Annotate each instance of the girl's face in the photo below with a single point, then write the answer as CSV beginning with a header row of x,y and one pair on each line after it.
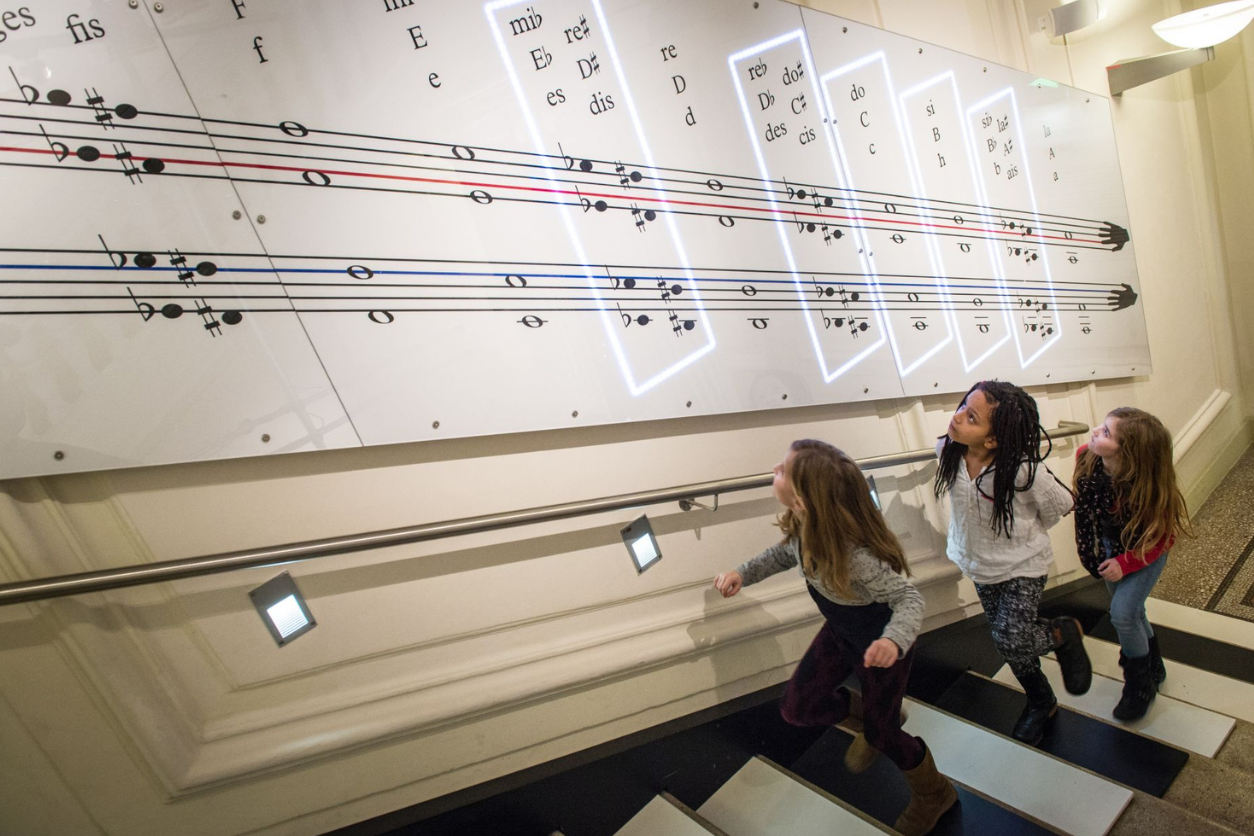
x,y
973,422
1105,440
783,485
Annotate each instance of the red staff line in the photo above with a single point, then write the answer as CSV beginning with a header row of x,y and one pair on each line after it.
x,y
412,179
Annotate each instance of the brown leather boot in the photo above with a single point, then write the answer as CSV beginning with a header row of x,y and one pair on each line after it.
x,y
931,795
861,754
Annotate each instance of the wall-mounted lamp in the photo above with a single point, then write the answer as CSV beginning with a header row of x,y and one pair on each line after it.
x,y
641,544
282,609
1197,31
1069,17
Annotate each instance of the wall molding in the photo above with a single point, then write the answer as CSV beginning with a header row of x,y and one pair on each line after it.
x,y
1201,422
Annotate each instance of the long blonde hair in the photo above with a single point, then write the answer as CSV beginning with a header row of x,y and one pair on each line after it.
x,y
839,516
1144,482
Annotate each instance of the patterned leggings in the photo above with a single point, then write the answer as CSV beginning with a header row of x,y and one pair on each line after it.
x,y
814,696
1020,634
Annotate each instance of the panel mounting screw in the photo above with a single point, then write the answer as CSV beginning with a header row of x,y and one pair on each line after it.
x,y
435,425
58,455
866,389
690,402
158,8
237,214
261,219
134,4
265,438
575,414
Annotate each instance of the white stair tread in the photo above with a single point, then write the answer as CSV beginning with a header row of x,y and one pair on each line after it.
x,y
1184,682
661,818
1173,722
1055,793
1201,623
761,800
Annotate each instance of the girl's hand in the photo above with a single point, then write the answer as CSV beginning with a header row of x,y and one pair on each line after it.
x,y
1110,570
728,583
883,653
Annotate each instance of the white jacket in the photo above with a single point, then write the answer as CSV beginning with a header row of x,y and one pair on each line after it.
x,y
987,557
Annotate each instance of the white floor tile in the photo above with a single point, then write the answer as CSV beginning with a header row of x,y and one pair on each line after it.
x,y
661,818
1201,623
1169,720
1060,795
1184,682
761,800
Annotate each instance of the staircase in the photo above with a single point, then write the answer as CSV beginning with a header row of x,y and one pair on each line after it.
x,y
1185,769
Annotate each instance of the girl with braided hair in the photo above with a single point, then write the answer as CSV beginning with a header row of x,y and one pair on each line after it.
x,y
1129,511
1003,500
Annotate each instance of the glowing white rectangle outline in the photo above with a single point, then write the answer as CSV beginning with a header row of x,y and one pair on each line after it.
x,y
1049,279
969,143
929,237
611,325
755,51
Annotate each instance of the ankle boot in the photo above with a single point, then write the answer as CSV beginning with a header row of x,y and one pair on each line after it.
x,y
1138,689
1158,671
861,754
1040,710
1077,672
931,795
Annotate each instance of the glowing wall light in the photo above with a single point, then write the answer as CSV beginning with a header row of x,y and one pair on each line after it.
x,y
282,609
1197,31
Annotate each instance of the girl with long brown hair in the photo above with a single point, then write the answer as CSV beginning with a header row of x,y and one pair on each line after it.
x,y
1128,515
856,572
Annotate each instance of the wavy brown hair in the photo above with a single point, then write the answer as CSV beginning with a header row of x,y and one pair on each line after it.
x,y
839,516
1144,481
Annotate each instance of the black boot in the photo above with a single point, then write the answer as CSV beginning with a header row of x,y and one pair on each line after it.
x,y
1077,672
1158,671
1040,710
1138,689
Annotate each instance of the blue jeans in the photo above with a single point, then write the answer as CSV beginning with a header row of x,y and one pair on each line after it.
x,y
1127,608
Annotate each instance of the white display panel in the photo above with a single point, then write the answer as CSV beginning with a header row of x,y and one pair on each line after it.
x,y
238,229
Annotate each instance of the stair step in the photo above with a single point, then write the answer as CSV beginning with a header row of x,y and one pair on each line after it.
x,y
665,816
1195,686
1150,816
1057,794
1183,637
1169,720
1215,791
762,799
1222,628
882,793
1120,755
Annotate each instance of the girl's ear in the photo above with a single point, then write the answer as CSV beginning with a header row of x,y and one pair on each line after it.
x,y
798,505
990,443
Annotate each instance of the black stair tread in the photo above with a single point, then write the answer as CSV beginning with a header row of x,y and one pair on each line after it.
x,y
882,793
1121,755
1189,649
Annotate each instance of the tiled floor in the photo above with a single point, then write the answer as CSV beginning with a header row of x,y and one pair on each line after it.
x,y
1223,527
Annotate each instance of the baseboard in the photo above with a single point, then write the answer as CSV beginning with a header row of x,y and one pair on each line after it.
x,y
1199,489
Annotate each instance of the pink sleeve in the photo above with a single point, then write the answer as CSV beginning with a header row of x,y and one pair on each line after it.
x,y
1129,563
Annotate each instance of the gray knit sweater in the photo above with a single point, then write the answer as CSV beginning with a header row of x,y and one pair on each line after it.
x,y
870,579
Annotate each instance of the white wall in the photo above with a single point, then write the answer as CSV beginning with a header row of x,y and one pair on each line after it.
x,y
169,709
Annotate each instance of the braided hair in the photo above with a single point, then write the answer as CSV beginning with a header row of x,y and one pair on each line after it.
x,y
1016,426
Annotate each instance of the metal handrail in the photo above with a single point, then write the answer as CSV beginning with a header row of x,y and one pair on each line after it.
x,y
169,570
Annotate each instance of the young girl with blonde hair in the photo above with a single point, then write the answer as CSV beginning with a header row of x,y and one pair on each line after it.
x,y
855,571
1128,515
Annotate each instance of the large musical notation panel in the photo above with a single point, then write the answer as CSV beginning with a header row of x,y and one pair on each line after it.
x,y
241,229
